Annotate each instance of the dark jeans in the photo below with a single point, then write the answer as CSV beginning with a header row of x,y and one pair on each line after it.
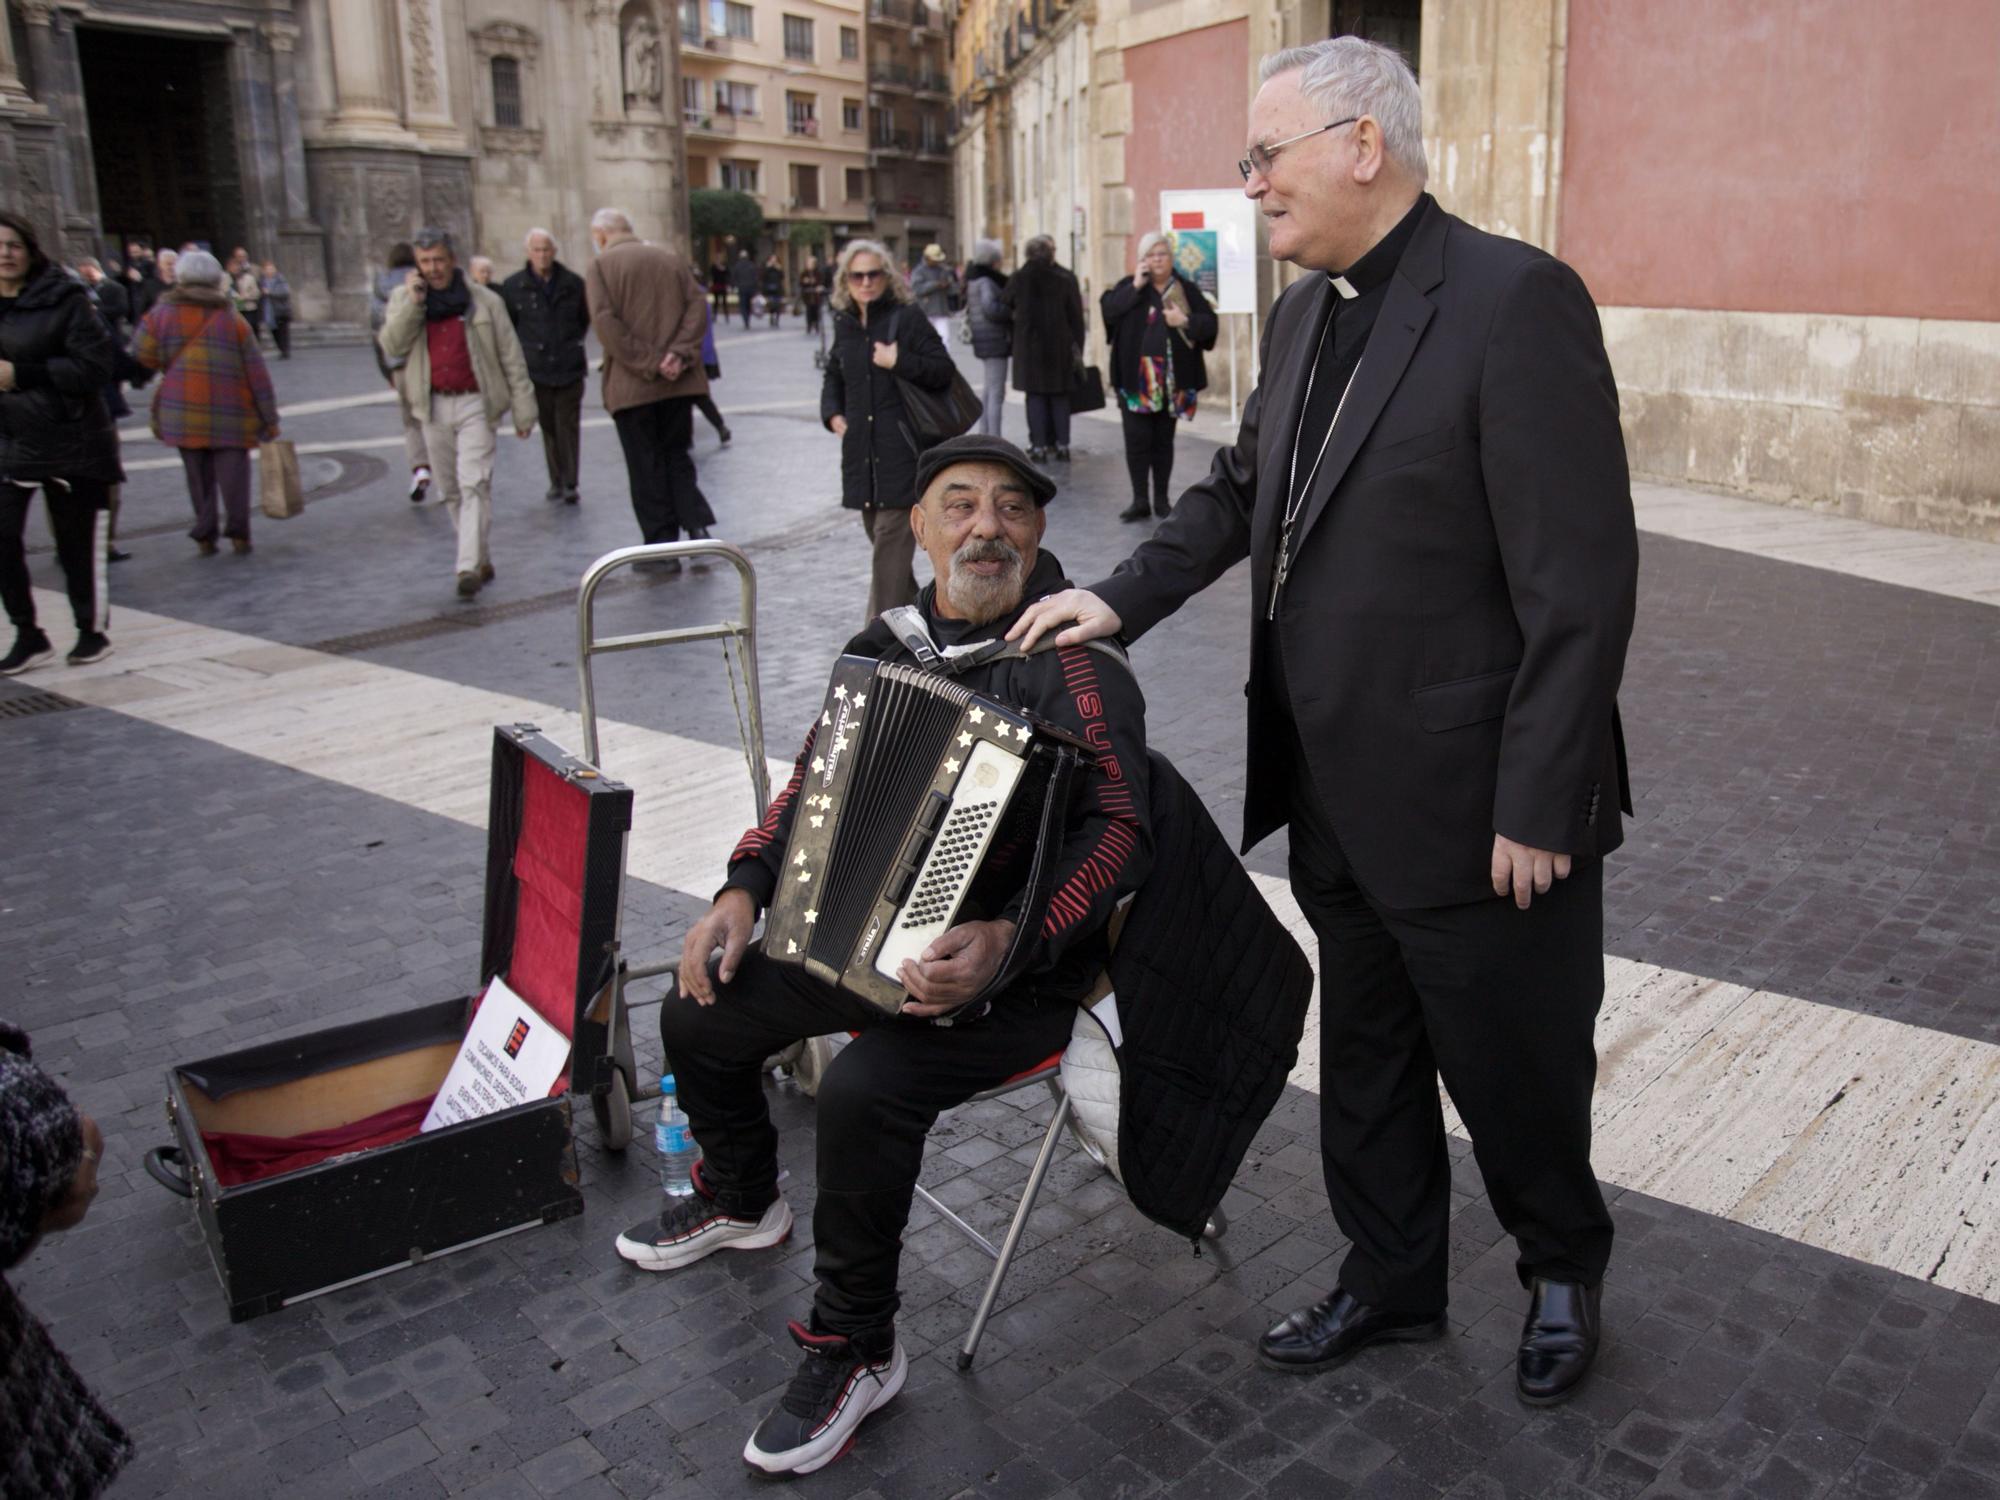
x,y
665,496
79,520
281,335
1048,420
876,1104
743,302
218,471
812,314
559,408
1502,1004
1149,450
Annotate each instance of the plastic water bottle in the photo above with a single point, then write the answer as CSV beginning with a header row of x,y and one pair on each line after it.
x,y
675,1142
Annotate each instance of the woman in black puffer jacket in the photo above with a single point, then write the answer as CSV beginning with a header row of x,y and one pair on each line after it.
x,y
878,337
56,434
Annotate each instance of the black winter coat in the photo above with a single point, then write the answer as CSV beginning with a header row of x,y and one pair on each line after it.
x,y
1047,310
878,455
1125,307
551,319
771,282
743,276
992,326
54,424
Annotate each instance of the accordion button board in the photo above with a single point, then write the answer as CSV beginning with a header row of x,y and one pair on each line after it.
x,y
910,779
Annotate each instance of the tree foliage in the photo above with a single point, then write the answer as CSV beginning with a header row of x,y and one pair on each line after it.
x,y
724,213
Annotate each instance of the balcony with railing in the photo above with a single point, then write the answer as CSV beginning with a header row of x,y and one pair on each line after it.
x,y
804,125
892,76
706,122
927,82
912,13
889,143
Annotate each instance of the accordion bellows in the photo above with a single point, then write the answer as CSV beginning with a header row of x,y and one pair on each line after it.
x,y
917,787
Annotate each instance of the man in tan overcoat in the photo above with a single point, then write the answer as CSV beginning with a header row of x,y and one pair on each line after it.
x,y
649,313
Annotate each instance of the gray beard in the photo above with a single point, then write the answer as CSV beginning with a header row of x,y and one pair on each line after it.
x,y
983,600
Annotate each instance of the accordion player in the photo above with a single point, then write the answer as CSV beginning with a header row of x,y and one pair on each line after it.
x,y
913,779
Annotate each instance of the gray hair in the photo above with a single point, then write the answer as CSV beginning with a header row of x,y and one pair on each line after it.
x,y
430,237
1345,75
612,221
986,252
898,290
198,268
1147,241
1041,247
528,240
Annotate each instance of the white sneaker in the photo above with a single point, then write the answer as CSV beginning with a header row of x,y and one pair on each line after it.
x,y
694,1228
836,1387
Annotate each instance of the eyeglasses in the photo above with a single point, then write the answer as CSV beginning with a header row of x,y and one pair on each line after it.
x,y
1259,159
866,275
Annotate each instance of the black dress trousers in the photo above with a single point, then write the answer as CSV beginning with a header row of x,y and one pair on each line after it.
x,y
656,438
1502,1004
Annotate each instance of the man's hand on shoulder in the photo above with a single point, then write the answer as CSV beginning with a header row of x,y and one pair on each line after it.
x,y
727,925
1525,871
954,968
1092,618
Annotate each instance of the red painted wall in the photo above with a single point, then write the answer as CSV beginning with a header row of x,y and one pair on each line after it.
x,y
1815,156
1190,113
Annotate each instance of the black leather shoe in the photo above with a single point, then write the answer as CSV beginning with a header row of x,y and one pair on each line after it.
x,y
1135,512
1163,508
1558,1341
1336,1327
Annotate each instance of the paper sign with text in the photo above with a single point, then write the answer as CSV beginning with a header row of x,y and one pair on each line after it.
x,y
511,1056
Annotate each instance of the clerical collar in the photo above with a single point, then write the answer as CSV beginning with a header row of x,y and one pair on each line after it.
x,y
1380,263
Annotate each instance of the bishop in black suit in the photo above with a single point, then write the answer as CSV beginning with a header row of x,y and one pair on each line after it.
x,y
1430,485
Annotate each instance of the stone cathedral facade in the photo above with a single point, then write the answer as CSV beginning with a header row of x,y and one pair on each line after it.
x,y
319,132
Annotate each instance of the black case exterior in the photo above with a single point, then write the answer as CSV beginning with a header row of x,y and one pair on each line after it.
x,y
301,1233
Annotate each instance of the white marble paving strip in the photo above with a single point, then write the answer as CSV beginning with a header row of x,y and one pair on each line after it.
x,y
1952,566
1864,1136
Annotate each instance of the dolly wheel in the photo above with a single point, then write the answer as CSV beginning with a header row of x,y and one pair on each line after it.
x,y
613,1108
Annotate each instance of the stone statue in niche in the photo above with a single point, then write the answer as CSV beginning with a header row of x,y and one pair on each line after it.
x,y
645,71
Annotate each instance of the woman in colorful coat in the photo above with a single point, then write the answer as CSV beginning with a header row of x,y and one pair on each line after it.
x,y
214,401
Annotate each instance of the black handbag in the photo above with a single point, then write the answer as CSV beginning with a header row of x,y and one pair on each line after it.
x,y
937,415
1086,390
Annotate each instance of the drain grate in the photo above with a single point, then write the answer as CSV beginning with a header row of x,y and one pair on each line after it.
x,y
28,705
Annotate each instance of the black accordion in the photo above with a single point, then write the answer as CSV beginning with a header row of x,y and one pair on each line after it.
x,y
917,788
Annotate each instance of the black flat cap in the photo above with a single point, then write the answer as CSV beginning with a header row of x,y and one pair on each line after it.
x,y
977,447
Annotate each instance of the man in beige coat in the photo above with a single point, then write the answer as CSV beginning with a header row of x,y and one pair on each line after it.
x,y
649,313
462,372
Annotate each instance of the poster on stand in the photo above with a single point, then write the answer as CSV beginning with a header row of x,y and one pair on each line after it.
x,y
1216,231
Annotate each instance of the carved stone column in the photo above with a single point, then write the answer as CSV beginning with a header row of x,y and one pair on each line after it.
x,y
13,93
426,79
283,41
59,88
364,78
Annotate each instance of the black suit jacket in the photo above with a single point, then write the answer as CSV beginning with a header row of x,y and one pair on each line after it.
x,y
1455,623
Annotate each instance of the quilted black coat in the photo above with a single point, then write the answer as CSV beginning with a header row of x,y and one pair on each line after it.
x,y
54,424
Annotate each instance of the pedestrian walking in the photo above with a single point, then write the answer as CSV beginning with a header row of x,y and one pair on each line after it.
x,y
879,337
142,280
718,284
480,269
771,284
1047,309
649,313
402,260
56,356
551,314
57,1442
113,306
991,322
245,290
1159,324
933,286
711,364
743,280
812,294
277,307
214,402
463,371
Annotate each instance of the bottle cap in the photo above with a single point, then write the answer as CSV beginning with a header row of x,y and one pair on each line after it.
x,y
667,1083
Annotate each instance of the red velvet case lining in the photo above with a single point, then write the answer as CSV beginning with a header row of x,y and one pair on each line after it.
x,y
548,923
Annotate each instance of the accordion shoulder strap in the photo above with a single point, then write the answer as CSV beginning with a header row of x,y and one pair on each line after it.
x,y
906,622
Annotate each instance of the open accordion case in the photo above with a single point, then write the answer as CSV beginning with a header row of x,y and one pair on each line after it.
x,y
324,1159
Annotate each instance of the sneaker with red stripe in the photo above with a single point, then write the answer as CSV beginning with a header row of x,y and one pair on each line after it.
x,y
699,1225
840,1381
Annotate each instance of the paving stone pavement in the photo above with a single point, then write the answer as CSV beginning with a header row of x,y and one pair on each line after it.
x,y
1815,751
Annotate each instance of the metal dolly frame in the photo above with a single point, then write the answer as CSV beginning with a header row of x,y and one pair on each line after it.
x,y
617,1088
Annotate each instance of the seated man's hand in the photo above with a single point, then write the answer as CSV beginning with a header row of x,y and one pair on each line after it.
x,y
954,968
1092,615
727,925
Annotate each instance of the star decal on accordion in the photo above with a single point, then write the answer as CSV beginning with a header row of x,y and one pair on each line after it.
x,y
1022,732
964,740
790,947
819,763
826,719
840,692
950,766
799,858
839,743
819,820
977,716
805,877
811,916
860,699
